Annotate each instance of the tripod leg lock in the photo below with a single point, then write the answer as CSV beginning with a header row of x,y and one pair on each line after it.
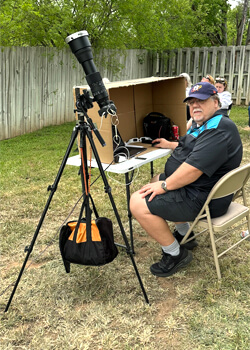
x,y
107,189
27,249
52,188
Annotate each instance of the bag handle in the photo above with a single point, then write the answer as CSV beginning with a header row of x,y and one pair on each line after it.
x,y
79,219
156,114
86,201
85,205
94,207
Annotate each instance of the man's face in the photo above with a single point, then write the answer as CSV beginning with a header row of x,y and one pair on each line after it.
x,y
202,110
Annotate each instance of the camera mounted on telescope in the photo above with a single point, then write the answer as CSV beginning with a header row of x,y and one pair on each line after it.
x,y
83,101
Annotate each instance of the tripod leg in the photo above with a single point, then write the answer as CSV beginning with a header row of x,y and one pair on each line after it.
x,y
108,190
53,189
127,180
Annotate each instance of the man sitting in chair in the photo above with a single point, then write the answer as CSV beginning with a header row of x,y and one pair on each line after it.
x,y
211,148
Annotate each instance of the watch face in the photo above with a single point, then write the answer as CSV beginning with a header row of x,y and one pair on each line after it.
x,y
164,186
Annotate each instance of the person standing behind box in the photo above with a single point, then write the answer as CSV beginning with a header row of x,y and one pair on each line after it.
x,y
209,79
188,87
187,82
225,96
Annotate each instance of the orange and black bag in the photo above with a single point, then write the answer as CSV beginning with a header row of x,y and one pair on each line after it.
x,y
86,241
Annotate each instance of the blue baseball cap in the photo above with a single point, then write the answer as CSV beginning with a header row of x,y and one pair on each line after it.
x,y
202,91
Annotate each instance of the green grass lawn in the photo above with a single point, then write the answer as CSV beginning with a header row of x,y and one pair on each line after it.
x,y
102,308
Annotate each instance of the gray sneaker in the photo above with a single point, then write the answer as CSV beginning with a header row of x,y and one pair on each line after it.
x,y
169,265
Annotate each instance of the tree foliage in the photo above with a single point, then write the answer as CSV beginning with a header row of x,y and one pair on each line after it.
x,y
211,22
110,23
156,25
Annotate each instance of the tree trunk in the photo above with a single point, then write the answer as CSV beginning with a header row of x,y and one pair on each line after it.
x,y
248,33
241,27
224,28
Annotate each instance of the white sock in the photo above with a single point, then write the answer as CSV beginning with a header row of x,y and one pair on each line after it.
x,y
182,228
172,249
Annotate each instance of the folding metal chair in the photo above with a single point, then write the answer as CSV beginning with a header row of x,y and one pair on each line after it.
x,y
231,183
229,109
226,111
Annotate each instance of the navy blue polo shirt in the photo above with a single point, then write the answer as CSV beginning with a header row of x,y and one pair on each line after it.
x,y
215,148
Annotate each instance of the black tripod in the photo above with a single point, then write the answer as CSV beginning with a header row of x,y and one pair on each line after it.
x,y
85,128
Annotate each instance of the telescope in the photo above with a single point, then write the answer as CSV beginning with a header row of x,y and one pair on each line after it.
x,y
81,48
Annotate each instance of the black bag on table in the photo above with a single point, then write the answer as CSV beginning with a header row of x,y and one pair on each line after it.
x,y
157,125
86,241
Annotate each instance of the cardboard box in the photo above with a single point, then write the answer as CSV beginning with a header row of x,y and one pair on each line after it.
x,y
134,99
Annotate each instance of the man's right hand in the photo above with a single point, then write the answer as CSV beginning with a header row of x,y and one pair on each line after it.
x,y
163,143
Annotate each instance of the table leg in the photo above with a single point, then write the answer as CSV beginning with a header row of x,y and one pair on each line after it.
x,y
152,169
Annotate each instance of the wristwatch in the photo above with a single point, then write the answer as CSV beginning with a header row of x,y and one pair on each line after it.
x,y
164,186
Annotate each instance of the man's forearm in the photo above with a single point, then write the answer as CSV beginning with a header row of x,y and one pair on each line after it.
x,y
183,176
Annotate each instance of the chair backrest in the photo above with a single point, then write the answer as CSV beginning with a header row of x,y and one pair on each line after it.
x,y
229,109
230,183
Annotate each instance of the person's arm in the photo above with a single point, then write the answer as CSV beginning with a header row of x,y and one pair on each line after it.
x,y
183,176
189,123
163,143
225,99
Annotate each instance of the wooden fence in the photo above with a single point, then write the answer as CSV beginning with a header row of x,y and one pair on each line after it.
x,y
231,62
36,82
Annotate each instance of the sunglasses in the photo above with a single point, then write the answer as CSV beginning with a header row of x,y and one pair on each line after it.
x,y
220,80
207,77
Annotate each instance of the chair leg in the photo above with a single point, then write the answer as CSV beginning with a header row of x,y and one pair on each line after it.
x,y
186,237
216,260
248,223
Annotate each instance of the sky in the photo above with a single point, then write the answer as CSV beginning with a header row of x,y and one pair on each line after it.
x,y
233,3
